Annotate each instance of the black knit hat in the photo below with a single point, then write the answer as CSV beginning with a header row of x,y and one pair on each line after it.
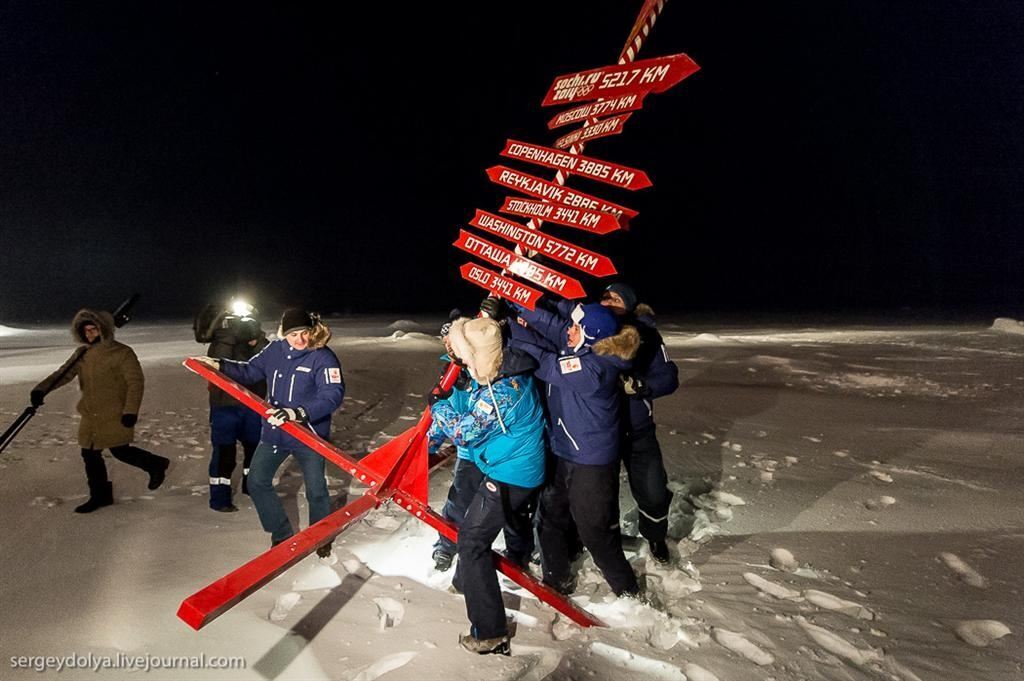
x,y
295,319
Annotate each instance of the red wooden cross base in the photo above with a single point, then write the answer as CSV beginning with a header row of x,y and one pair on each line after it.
x,y
395,472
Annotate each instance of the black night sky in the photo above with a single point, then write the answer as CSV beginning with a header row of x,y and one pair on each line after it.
x,y
830,157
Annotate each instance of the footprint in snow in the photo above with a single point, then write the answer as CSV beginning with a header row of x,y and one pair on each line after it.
x,y
965,572
980,633
782,559
879,503
771,588
839,646
739,644
637,665
283,605
830,602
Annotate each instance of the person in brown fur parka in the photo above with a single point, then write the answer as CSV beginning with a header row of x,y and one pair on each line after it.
x,y
111,381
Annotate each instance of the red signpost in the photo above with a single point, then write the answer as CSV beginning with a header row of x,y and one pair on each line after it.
x,y
604,107
542,189
591,221
639,77
397,472
584,166
523,267
500,285
545,244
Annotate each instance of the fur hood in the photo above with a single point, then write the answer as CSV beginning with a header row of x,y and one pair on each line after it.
x,y
319,335
644,310
623,345
103,320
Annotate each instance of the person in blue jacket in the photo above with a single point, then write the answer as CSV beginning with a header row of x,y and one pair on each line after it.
x,y
653,375
581,356
519,543
502,425
304,386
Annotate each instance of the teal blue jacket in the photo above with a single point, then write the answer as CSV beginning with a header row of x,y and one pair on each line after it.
x,y
501,428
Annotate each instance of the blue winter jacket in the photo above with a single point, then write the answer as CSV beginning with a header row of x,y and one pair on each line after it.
x,y
501,426
309,378
583,391
659,374
513,363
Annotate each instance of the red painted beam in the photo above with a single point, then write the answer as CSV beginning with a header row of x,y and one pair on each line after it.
x,y
211,602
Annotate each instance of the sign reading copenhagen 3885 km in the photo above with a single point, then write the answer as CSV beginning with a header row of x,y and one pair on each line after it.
x,y
584,166
648,75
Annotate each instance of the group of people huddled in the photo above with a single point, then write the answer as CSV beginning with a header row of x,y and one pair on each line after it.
x,y
554,400
548,404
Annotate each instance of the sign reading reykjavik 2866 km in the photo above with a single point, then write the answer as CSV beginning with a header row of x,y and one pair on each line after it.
x,y
639,77
542,189
584,166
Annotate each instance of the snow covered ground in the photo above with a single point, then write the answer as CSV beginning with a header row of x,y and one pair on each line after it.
x,y
849,505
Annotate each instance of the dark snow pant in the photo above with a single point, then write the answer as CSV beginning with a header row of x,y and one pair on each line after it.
x,y
265,462
475,574
641,455
518,529
585,499
222,465
228,425
96,470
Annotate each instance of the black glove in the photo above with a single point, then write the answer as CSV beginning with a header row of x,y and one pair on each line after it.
x,y
633,386
494,308
36,398
277,417
129,420
437,394
464,381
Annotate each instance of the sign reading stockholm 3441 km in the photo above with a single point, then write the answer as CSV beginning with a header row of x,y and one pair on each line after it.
x,y
648,75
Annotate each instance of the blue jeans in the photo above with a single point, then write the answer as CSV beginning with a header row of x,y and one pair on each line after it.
x,y
265,462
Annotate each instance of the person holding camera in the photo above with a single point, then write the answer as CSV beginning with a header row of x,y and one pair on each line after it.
x,y
236,337
110,378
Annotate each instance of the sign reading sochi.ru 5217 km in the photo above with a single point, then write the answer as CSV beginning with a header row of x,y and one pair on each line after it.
x,y
648,75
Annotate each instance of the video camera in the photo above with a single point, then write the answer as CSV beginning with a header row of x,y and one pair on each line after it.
x,y
238,318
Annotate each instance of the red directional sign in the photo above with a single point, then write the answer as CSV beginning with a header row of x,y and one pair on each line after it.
x,y
584,166
603,128
542,189
556,249
641,77
605,107
522,267
501,286
591,221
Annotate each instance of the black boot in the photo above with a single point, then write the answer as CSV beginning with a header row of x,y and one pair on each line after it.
x,y
158,472
100,494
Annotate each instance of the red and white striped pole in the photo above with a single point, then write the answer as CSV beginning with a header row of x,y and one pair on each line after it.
x,y
641,29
